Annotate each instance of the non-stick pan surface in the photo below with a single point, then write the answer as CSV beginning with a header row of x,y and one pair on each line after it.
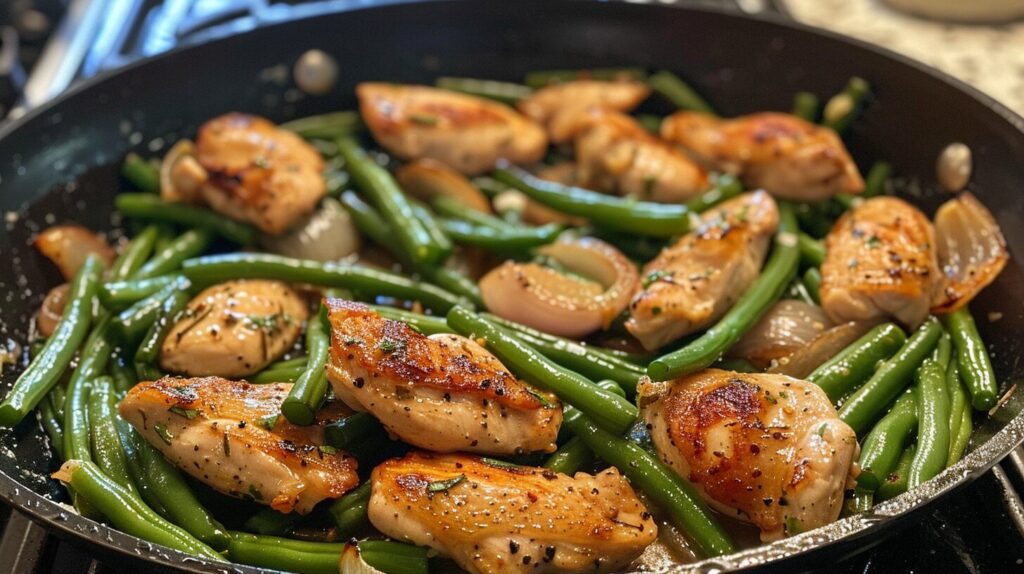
x,y
59,164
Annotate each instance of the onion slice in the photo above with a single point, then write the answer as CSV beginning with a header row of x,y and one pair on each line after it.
x,y
826,345
181,176
351,562
560,304
52,309
971,250
426,179
328,234
68,246
787,327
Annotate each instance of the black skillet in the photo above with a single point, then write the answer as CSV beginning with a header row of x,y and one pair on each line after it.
x,y
59,164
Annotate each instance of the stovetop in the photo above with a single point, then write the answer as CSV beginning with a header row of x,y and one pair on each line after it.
x,y
977,530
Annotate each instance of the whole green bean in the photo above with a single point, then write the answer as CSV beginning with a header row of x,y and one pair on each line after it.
x,y
49,365
812,281
975,365
151,207
541,78
896,483
349,511
288,374
626,360
425,324
843,107
874,182
351,430
216,268
134,322
957,403
134,467
106,445
394,206
149,349
258,551
141,173
933,424
857,362
135,254
452,208
504,92
189,244
805,106
775,276
329,126
119,295
92,362
268,521
393,557
51,421
861,501
609,410
502,241
812,251
310,388
432,225
891,377
963,436
570,457
882,448
943,351
681,94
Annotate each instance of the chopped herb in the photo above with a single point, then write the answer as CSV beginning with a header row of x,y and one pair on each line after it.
x,y
498,463
353,341
255,492
655,311
164,434
389,345
327,449
821,429
873,242
655,276
783,395
852,264
793,525
424,119
227,446
187,413
444,485
768,397
269,422
544,402
261,162
268,323
649,182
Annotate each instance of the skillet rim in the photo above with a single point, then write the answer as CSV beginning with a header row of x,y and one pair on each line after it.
x,y
847,532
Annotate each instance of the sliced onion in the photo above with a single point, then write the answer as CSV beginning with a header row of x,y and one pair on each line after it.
x,y
786,327
557,303
326,235
971,249
68,246
427,178
826,345
52,309
181,176
352,563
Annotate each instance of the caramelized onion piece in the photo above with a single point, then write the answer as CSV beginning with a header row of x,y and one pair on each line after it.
x,y
426,179
69,245
52,309
826,345
560,304
180,173
328,234
971,250
785,328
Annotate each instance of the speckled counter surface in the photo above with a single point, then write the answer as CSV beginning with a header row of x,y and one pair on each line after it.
x,y
989,57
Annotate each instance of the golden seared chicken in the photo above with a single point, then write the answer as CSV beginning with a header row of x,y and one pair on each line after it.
x,y
493,518
768,449
880,262
248,169
234,329
617,155
230,435
695,281
467,133
442,393
789,157
562,108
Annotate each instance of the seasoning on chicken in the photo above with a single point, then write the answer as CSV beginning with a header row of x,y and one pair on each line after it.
x,y
880,262
234,329
442,393
467,133
230,435
695,281
768,449
563,108
616,154
789,157
494,517
248,169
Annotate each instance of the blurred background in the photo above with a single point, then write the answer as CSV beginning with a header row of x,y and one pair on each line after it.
x,y
47,45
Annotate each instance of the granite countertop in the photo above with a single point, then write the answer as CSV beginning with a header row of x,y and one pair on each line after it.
x,y
989,57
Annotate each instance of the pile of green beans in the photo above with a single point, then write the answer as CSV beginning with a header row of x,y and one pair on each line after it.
x,y
310,389
883,446
151,207
856,363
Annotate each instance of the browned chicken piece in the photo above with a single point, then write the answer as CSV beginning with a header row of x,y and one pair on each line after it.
x,y
499,518
250,170
230,436
616,154
467,133
880,262
789,157
695,281
768,449
442,393
234,329
563,108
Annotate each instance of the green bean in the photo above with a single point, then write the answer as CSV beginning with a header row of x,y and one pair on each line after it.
x,y
279,375
775,276
268,521
134,322
798,291
189,244
844,106
395,207
216,268
736,364
958,402
91,363
452,208
286,363
874,183
504,92
681,94
425,324
141,173
609,410
815,218
351,430
147,206
943,351
349,511
127,512
329,126
626,360
975,365
861,501
149,349
135,254
432,225
49,365
671,493
542,78
805,106
51,421
857,362
812,251
309,390
119,295
266,552
896,483
812,281
637,248
500,240
134,467
393,557
933,424
882,448
963,436
891,377
570,457
106,445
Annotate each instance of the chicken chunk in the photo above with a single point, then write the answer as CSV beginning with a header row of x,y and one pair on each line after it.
x,y
229,435
234,329
248,169
695,281
492,517
789,157
880,262
442,393
616,154
467,133
563,108
768,449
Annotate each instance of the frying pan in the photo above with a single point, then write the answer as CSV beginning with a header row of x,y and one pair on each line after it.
x,y
59,163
